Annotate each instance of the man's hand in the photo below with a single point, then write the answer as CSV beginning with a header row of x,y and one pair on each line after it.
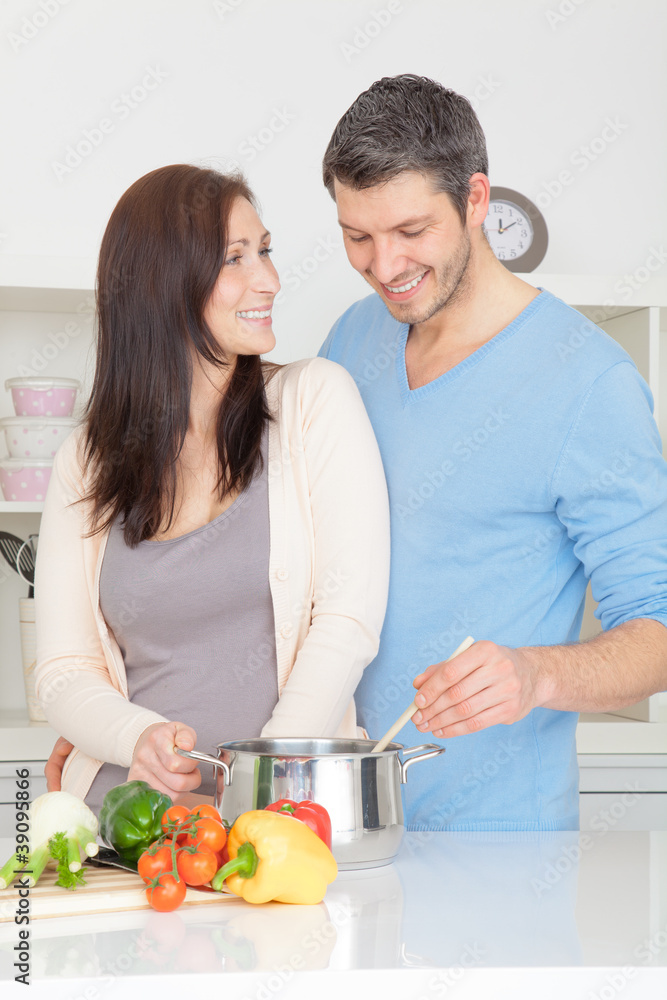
x,y
156,762
53,769
483,686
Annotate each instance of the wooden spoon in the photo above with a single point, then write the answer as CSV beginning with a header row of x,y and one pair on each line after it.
x,y
409,712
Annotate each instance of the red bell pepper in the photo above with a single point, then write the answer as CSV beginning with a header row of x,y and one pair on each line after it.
x,y
311,813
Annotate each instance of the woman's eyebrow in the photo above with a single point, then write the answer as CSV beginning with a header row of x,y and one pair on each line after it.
x,y
245,241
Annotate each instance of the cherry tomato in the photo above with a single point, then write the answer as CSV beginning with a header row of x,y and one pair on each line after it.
x,y
167,894
150,866
209,833
205,811
199,867
175,814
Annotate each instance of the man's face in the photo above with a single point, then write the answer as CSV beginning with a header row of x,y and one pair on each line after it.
x,y
408,242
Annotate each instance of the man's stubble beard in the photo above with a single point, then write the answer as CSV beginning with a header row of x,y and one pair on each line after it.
x,y
452,286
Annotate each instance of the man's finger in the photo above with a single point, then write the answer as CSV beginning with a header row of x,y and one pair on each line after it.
x,y
491,717
463,709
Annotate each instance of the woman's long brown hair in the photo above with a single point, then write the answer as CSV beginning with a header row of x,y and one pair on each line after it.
x,y
160,257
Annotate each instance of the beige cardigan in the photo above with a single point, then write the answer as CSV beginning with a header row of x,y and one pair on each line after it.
x,y
328,566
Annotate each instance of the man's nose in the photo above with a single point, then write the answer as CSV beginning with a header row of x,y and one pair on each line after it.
x,y
388,263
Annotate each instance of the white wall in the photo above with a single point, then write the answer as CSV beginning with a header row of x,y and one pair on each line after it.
x,y
546,76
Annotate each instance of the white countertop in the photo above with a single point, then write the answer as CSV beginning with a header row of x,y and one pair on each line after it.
x,y
478,915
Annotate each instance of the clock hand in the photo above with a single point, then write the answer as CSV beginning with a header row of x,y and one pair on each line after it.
x,y
500,226
510,225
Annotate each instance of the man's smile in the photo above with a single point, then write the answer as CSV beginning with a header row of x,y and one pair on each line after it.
x,y
398,293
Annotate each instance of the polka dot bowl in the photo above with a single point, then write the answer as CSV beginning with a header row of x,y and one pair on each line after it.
x,y
36,437
23,479
43,397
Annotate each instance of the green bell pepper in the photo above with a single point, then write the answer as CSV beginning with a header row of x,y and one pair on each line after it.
x,y
131,817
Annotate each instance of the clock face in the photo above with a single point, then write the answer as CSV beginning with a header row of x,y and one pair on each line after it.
x,y
516,230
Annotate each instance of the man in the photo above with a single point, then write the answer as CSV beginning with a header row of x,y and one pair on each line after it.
x,y
499,451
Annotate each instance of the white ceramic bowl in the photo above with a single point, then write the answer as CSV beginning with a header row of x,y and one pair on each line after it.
x,y
24,479
36,437
42,396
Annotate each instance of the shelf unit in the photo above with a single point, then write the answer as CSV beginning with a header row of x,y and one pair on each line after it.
x,y
43,292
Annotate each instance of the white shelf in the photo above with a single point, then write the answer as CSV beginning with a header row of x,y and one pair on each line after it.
x,y
21,739
610,292
612,734
21,506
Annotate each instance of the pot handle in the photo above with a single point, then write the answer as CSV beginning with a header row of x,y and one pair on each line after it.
x,y
206,757
432,750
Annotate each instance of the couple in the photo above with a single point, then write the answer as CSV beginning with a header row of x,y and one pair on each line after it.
x,y
251,512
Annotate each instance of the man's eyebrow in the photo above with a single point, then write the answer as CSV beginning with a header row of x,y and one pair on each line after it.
x,y
415,220
246,242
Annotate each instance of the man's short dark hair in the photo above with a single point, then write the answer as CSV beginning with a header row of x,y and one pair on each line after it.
x,y
408,122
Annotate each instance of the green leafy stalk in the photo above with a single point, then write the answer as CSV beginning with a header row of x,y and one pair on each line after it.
x,y
244,864
87,841
64,850
10,868
38,862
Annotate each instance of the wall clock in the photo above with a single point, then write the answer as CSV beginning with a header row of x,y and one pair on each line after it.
x,y
516,230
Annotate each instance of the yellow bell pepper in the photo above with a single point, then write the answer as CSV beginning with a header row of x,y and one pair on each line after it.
x,y
275,857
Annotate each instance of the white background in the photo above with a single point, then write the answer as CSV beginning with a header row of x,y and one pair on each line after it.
x,y
544,75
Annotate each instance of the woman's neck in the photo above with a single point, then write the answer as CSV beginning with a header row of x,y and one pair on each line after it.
x,y
208,387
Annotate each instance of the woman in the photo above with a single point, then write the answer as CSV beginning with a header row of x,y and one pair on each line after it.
x,y
214,546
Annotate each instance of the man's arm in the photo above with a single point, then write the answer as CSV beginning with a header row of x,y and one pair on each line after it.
x,y
489,684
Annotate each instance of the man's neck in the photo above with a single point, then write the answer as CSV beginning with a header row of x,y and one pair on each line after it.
x,y
492,298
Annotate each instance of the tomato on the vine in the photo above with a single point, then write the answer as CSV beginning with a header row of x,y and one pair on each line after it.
x,y
209,833
198,867
150,865
173,815
205,811
167,894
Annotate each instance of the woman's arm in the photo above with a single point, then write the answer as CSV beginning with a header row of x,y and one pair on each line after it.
x,y
72,673
347,493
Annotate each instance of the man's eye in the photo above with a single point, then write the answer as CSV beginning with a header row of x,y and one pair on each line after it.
x,y
410,235
358,239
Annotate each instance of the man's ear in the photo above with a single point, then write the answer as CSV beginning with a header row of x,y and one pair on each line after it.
x,y
478,200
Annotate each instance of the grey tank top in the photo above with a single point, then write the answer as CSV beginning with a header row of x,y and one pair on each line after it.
x,y
193,618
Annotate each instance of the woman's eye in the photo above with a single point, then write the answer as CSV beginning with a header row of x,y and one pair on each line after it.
x,y
233,260
266,251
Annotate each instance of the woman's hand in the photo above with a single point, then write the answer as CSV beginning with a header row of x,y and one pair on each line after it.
x,y
53,768
156,762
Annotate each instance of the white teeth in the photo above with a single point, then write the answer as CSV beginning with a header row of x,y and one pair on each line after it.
x,y
254,314
404,288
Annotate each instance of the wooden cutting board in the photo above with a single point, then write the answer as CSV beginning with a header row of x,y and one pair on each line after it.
x,y
107,890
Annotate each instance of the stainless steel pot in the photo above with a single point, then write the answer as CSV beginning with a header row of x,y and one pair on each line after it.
x,y
360,789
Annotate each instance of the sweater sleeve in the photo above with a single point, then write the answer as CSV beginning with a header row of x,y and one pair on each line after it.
x,y
72,676
350,522
610,492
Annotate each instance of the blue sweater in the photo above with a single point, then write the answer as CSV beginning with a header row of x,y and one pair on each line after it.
x,y
525,470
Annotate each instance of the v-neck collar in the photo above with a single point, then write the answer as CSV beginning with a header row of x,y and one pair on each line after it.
x,y
409,395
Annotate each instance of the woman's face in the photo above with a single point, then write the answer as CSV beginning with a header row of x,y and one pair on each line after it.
x,y
238,312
